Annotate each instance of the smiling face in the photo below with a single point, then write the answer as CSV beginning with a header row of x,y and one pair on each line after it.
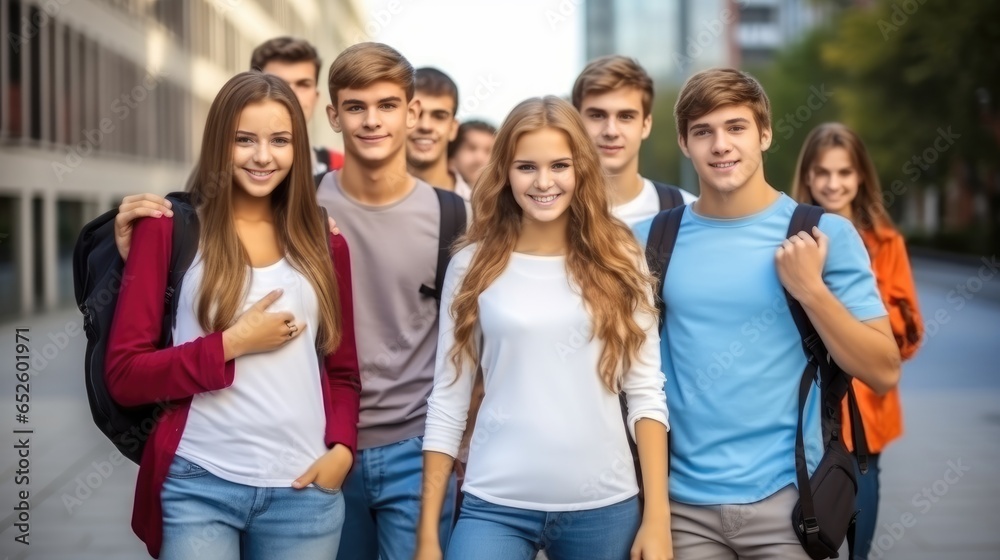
x,y
834,181
374,120
616,124
542,176
262,148
726,148
427,144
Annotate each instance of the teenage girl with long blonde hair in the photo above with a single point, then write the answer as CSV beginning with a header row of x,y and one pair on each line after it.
x,y
549,295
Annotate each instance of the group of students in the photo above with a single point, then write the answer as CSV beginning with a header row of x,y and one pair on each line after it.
x,y
342,443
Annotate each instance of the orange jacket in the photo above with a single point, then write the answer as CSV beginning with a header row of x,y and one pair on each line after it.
x,y
882,416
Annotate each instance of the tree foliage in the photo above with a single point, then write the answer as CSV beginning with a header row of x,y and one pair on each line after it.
x,y
919,70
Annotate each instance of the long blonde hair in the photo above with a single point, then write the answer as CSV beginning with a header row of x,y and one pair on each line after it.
x,y
297,223
602,258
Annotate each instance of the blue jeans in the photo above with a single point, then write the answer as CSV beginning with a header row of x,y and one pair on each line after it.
x,y
207,517
382,493
487,531
867,502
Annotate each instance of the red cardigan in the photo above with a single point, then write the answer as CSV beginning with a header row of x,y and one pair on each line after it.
x,y
139,373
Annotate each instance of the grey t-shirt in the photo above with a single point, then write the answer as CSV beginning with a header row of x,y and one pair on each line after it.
x,y
393,252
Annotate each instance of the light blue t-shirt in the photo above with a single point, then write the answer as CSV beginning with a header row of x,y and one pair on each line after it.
x,y
733,358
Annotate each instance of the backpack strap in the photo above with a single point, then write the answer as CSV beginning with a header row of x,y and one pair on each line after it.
x,y
833,382
323,156
832,379
669,195
808,508
453,222
186,233
659,247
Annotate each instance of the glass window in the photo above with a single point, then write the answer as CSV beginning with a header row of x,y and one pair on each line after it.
x,y
10,67
35,65
51,75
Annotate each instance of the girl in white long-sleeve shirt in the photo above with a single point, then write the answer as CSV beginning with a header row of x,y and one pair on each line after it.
x,y
549,295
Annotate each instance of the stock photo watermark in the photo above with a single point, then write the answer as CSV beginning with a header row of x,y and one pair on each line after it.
x,y
892,532
30,25
901,12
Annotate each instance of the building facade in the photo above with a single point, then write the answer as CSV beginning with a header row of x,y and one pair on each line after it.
x,y
102,98
673,39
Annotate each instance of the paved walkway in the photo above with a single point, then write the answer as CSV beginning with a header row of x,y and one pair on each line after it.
x,y
941,482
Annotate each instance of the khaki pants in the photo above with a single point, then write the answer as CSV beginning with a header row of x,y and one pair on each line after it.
x,y
761,530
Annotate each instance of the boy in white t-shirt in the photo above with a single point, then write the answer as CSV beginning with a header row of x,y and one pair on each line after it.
x,y
614,95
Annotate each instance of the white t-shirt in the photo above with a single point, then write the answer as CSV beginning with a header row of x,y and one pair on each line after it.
x,y
267,428
549,435
645,205
462,188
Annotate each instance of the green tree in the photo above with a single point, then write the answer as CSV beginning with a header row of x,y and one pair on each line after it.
x,y
924,81
660,157
803,91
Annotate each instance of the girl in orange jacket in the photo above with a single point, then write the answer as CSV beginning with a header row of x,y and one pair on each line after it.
x,y
835,171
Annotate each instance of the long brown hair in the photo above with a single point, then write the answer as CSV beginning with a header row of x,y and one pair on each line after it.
x,y
867,208
603,258
297,223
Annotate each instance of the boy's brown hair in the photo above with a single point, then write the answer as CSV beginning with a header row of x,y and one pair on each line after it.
x,y
285,49
612,72
364,64
708,90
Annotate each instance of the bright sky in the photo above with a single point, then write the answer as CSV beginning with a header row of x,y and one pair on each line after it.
x,y
499,52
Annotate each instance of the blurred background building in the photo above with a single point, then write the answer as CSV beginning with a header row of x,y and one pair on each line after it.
x,y
673,38
102,98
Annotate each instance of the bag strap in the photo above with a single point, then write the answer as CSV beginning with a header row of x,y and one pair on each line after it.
x,y
186,232
857,430
803,218
669,195
831,381
659,248
323,156
453,222
810,524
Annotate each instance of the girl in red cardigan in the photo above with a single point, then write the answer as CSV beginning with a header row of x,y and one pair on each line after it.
x,y
262,382
835,171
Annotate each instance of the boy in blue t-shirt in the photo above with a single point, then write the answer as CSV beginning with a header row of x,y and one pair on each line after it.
x,y
731,352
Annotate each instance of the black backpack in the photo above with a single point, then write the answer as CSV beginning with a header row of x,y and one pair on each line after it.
x,y
669,195
97,278
825,514
453,222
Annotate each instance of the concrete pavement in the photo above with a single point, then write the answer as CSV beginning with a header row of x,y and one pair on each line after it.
x,y
940,482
